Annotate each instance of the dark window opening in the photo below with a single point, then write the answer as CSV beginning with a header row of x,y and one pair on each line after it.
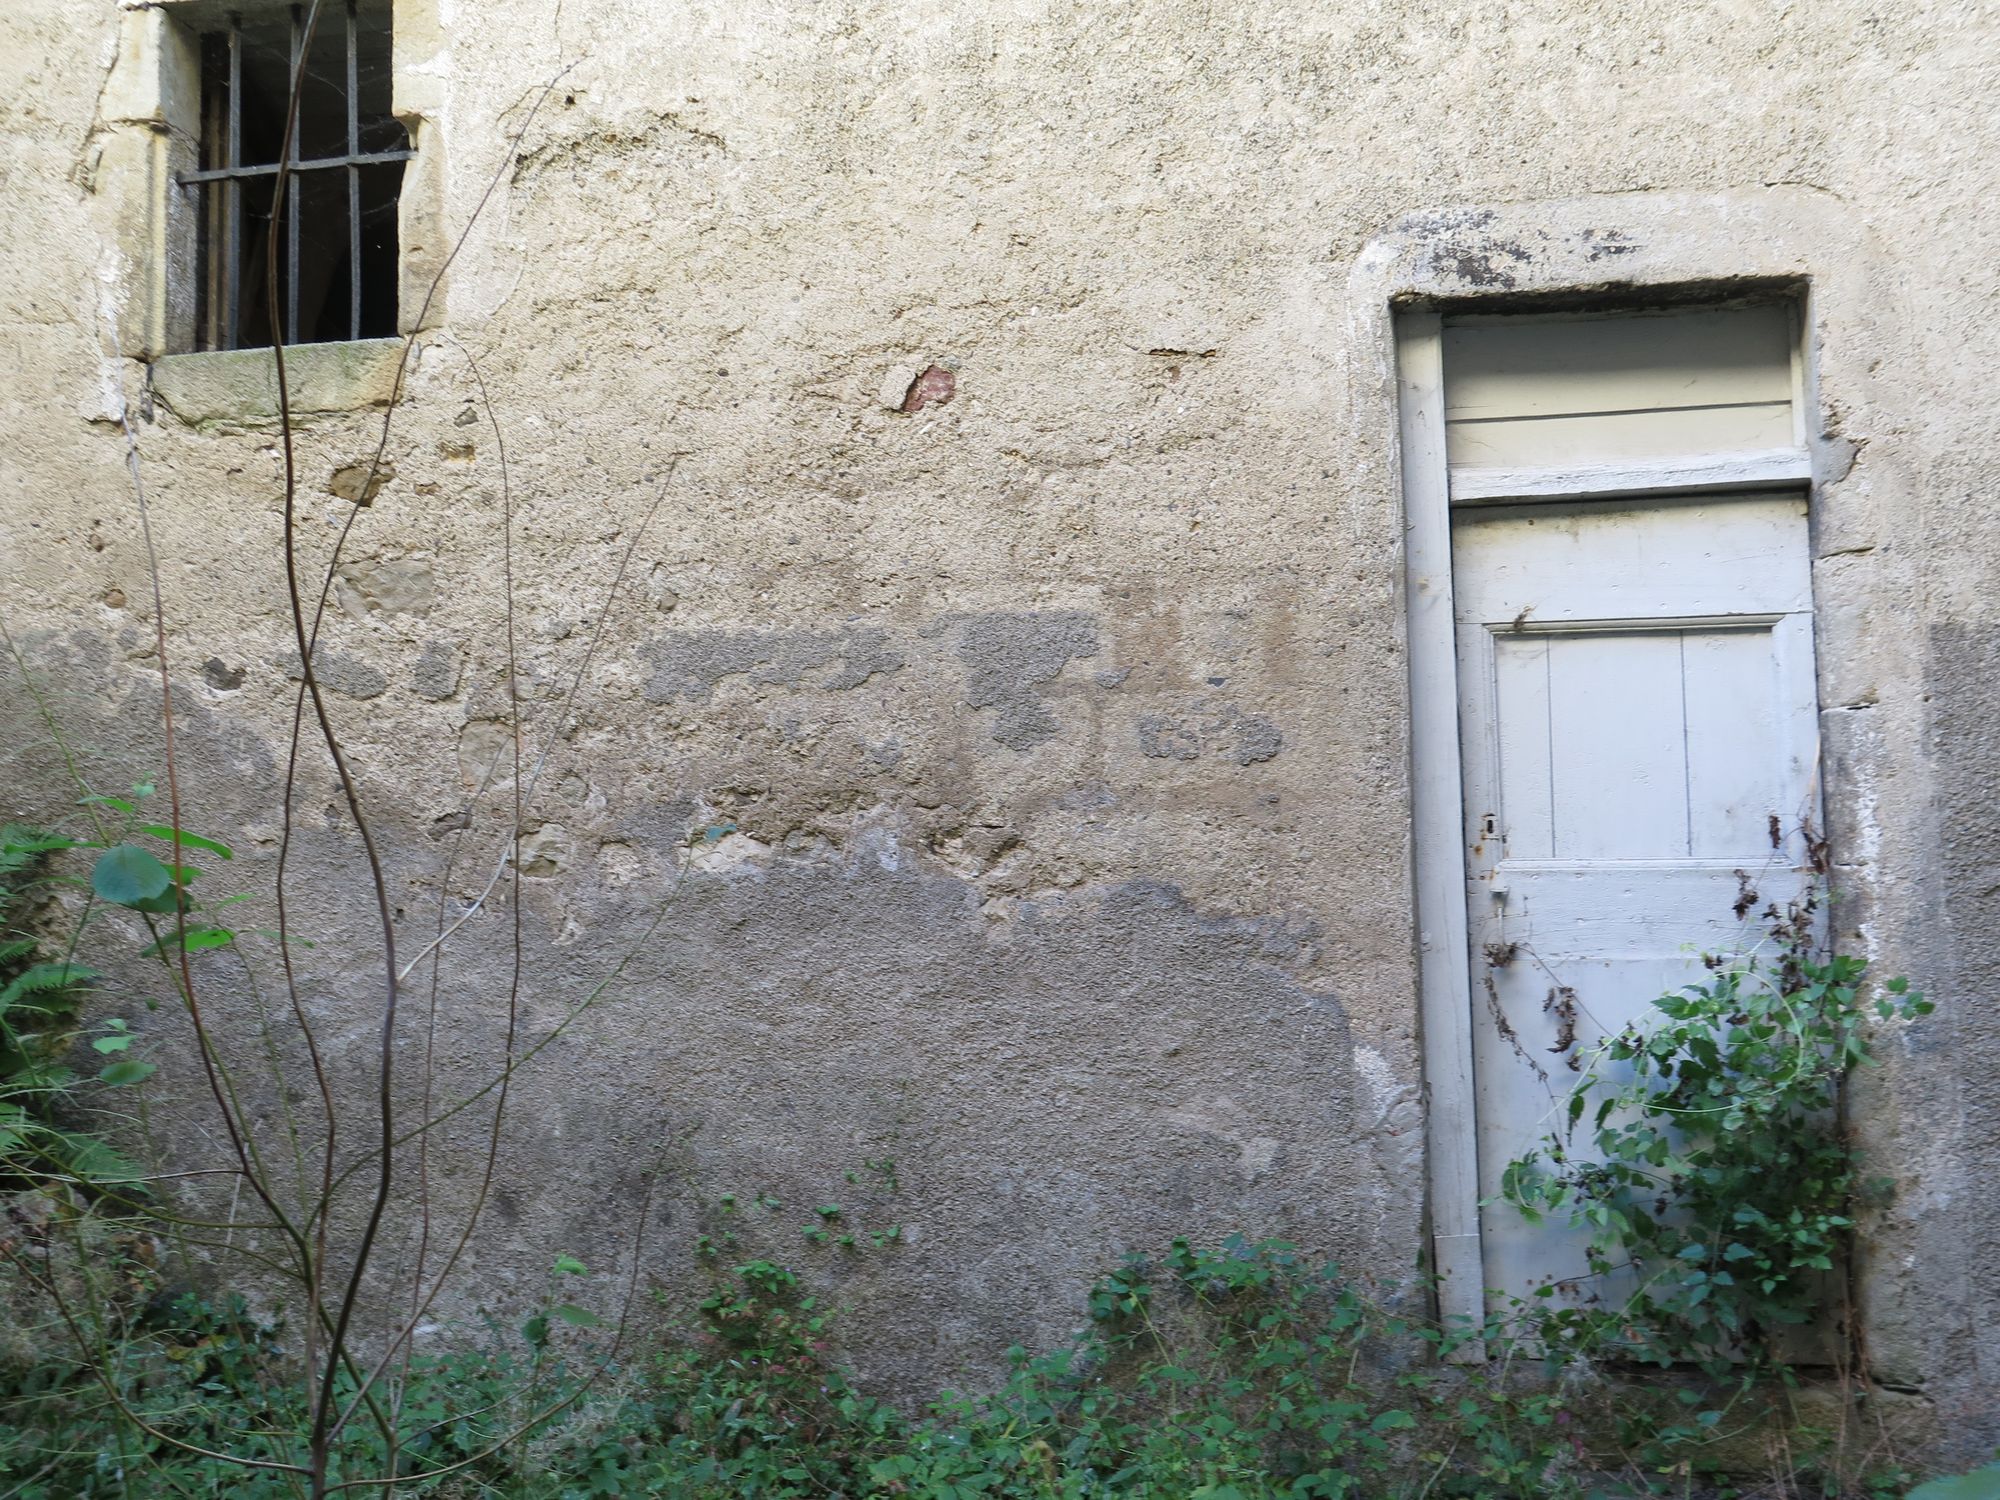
x,y
336,231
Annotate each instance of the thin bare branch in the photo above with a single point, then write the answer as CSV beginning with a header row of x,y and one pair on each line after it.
x,y
562,716
49,1288
555,1408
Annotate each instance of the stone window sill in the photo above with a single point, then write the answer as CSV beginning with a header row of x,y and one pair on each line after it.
x,y
241,385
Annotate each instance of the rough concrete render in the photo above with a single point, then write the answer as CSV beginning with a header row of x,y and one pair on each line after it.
x,y
1014,661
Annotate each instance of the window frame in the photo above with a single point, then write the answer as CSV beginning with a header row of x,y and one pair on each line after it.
x,y
220,257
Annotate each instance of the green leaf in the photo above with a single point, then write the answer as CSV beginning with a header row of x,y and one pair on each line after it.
x,y
189,840
127,875
91,1158
192,941
127,1070
21,840
44,979
576,1317
118,1043
1390,1421
569,1265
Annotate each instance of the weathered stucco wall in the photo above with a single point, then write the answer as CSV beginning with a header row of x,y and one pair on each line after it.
x,y
1025,592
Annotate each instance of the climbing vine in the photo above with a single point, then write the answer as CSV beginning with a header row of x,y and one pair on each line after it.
x,y
1703,1152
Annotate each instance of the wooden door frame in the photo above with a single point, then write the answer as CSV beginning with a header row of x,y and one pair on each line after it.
x,y
1437,815
1438,868
1761,241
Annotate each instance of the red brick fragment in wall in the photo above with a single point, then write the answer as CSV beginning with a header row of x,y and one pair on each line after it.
x,y
934,387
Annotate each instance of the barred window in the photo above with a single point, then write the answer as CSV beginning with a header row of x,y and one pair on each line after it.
x,y
336,235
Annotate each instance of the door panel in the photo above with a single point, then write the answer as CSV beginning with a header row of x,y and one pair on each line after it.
x,y
1637,717
1616,768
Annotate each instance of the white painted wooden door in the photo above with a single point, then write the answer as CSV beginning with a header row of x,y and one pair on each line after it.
x,y
1638,726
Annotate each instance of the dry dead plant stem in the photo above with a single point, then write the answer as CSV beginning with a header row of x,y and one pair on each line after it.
x,y
321,1430
421,1302
333,1300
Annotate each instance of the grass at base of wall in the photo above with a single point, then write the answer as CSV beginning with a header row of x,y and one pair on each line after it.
x,y
1239,1372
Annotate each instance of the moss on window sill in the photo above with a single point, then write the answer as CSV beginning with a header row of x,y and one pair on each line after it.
x,y
241,385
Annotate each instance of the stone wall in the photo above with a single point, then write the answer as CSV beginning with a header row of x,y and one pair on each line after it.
x,y
1013,660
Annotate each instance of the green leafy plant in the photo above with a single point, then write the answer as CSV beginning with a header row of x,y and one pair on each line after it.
x,y
166,1380
1243,1369
41,991
133,875
1704,1154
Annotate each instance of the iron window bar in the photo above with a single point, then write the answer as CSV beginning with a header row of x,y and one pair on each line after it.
x,y
233,174
296,79
311,164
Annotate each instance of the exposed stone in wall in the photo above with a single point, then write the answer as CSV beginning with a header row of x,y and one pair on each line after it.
x,y
360,482
546,852
222,677
483,753
391,585
436,672
690,664
341,674
1221,729
933,387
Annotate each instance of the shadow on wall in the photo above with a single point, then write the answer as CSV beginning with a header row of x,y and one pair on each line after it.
x,y
1093,1073
1964,696
1058,1079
